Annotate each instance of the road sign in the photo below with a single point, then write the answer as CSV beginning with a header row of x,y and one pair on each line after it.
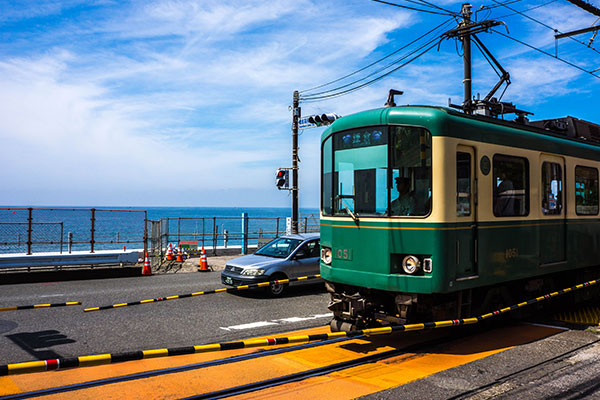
x,y
304,124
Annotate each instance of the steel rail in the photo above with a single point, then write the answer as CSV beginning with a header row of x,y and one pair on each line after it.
x,y
167,371
503,379
321,371
83,361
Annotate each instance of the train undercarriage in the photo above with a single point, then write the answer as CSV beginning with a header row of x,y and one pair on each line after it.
x,y
359,308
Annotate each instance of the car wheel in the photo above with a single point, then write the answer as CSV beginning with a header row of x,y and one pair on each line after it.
x,y
277,289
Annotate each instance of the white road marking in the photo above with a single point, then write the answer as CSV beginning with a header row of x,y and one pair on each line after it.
x,y
300,319
260,324
51,295
249,326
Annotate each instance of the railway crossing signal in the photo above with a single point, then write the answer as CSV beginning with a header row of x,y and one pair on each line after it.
x,y
282,179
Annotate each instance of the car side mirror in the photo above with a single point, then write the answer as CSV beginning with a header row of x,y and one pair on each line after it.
x,y
299,254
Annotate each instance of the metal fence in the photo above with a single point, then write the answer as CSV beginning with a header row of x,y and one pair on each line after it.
x,y
222,232
63,230
29,230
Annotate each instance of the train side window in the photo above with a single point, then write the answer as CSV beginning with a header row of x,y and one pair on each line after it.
x,y
463,184
551,188
511,186
586,191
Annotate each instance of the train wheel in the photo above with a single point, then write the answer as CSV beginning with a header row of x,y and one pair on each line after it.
x,y
337,325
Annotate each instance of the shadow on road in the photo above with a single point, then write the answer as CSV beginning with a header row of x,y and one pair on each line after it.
x,y
38,343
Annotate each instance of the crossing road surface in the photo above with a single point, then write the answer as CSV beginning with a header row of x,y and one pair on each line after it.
x,y
48,333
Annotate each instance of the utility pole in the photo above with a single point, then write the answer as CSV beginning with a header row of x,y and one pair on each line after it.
x,y
466,39
295,118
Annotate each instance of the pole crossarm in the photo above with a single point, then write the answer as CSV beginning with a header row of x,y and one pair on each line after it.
x,y
471,29
577,32
585,6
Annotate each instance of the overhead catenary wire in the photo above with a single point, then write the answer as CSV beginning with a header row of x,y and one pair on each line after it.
x,y
548,54
522,13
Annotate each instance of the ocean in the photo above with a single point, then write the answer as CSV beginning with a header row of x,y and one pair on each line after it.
x,y
57,229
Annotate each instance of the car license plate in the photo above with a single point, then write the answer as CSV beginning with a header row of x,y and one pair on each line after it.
x,y
228,280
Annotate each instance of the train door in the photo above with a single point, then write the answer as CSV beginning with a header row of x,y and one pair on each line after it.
x,y
552,236
466,214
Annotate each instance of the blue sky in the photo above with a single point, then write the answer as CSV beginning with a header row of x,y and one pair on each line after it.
x,y
186,103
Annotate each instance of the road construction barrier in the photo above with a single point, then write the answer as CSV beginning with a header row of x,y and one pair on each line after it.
x,y
222,290
70,303
47,365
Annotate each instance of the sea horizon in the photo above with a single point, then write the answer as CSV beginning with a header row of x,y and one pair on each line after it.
x,y
53,226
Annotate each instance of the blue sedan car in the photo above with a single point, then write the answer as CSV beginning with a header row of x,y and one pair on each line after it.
x,y
289,256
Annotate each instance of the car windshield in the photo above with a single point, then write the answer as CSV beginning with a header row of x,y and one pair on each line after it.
x,y
280,248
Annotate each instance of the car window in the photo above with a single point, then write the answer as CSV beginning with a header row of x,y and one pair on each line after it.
x,y
310,249
279,248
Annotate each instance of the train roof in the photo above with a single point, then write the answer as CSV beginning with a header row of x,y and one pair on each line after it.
x,y
443,121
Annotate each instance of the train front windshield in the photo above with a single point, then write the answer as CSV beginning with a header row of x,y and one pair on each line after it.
x,y
377,171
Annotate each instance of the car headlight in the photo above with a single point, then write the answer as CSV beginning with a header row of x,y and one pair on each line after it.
x,y
326,255
411,264
253,272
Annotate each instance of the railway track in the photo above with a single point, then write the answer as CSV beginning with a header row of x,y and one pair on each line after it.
x,y
350,366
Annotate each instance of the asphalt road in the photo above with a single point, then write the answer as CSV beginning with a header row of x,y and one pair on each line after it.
x,y
38,334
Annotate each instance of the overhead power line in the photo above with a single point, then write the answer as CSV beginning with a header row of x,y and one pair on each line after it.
x,y
434,42
378,61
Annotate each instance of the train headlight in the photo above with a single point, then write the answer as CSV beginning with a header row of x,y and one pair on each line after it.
x,y
411,264
326,255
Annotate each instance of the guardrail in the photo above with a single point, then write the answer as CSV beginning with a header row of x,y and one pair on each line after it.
x,y
66,260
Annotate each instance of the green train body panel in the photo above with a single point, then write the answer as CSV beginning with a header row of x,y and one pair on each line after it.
x,y
365,253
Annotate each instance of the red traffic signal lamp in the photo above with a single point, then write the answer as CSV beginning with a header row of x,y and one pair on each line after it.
x,y
282,179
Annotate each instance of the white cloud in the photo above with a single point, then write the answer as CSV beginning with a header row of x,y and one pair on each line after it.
x,y
120,101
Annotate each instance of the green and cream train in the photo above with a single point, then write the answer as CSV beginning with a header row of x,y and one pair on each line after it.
x,y
429,213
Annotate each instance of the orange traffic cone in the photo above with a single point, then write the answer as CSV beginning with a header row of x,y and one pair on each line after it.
x,y
147,269
203,267
179,255
170,252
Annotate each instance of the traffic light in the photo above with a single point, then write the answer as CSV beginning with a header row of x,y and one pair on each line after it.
x,y
282,180
323,119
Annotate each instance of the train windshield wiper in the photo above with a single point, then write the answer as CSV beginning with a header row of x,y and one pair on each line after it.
x,y
346,207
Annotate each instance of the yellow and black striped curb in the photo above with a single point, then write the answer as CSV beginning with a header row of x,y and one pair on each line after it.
x,y
84,361
222,290
70,303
